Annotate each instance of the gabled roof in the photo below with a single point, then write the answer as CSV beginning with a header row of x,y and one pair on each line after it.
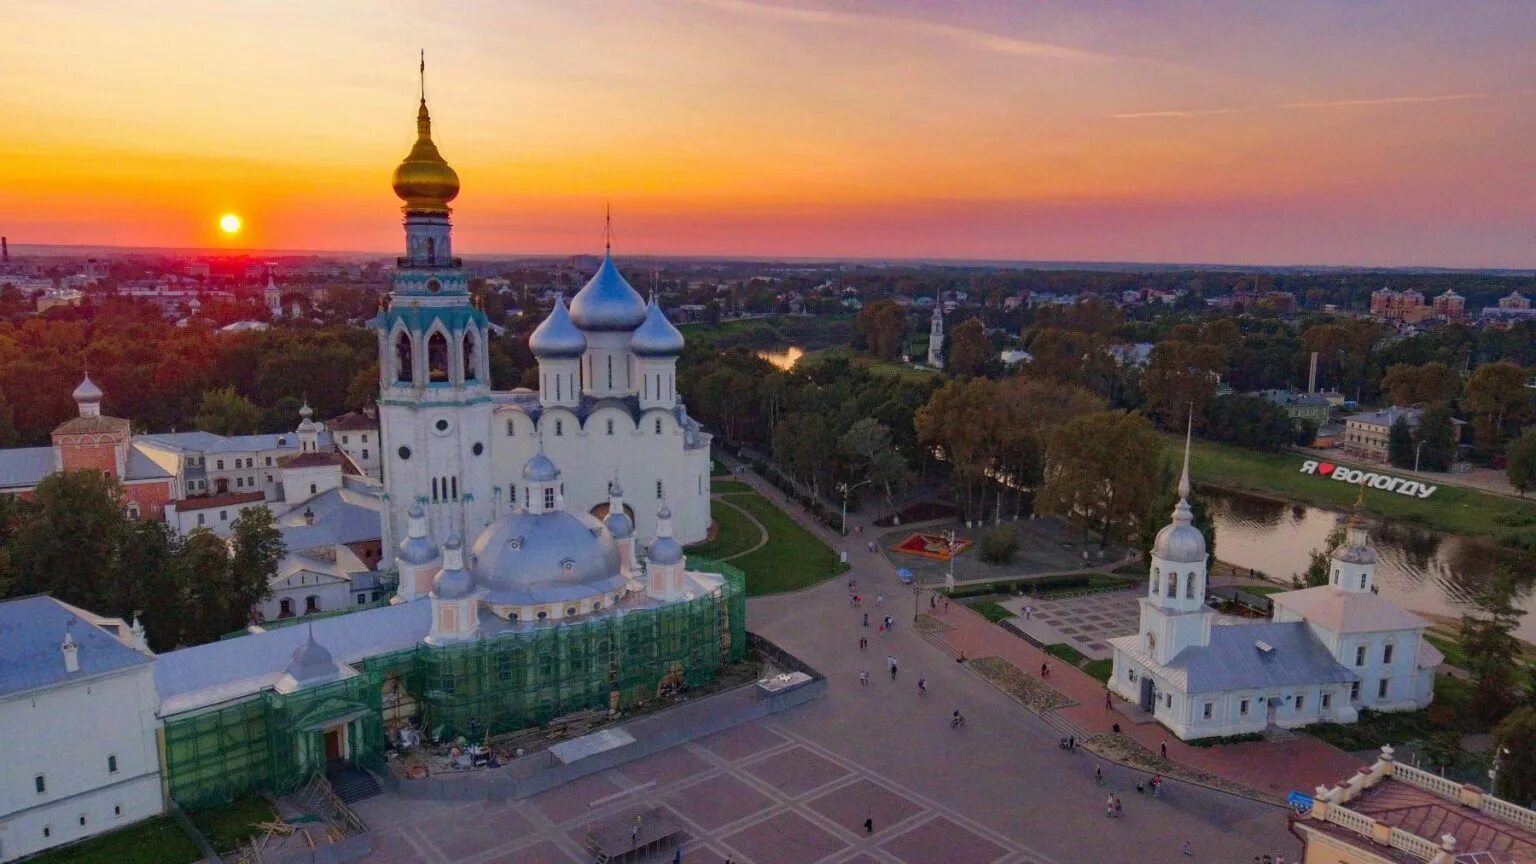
x,y
31,631
93,426
1348,612
340,516
352,421
1234,661
207,442
24,467
141,467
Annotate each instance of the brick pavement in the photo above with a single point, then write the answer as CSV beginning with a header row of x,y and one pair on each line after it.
x,y
1270,767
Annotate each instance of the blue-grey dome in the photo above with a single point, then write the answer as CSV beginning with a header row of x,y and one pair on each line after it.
x,y
607,302
557,337
453,584
656,337
619,524
665,551
413,549
1180,542
555,556
540,469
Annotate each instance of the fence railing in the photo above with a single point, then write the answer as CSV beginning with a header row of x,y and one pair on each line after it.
x,y
1427,781
1512,813
1413,844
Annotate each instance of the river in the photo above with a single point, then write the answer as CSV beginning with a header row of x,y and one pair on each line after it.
x,y
783,358
1420,570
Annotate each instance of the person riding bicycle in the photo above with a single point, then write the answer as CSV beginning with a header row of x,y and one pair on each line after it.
x,y
957,719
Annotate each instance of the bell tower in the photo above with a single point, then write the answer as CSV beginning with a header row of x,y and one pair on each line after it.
x,y
434,375
1173,614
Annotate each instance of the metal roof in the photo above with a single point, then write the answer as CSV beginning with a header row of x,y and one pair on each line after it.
x,y
21,467
341,516
1234,661
141,467
1341,611
234,668
31,631
207,442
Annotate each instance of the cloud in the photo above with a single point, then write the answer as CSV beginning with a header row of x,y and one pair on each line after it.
x,y
1184,114
975,38
1177,115
1389,100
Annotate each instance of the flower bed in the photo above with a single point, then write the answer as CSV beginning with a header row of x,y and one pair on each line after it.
x,y
931,546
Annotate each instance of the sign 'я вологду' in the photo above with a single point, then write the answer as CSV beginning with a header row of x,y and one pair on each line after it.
x,y
1384,482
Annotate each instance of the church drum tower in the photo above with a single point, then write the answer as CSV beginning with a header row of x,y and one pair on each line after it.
x,y
434,377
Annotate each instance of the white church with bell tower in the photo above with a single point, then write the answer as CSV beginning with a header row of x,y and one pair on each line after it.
x,y
1328,651
607,407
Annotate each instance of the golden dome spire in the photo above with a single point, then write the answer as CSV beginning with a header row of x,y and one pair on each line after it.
x,y
424,180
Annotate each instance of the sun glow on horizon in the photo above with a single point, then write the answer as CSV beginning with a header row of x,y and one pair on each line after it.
x,y
229,223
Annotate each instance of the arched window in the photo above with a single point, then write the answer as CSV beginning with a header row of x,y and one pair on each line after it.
x,y
610,426
1173,584
658,425
437,358
405,368
431,250
1189,585
1335,575
1152,587
1362,581
470,360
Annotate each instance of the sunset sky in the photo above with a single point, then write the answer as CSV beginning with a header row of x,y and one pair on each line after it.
x,y
1374,133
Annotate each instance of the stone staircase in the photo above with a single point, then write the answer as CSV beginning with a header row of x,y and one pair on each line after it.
x,y
352,785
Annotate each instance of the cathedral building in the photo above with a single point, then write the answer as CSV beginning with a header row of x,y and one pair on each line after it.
x,y
1327,652
607,407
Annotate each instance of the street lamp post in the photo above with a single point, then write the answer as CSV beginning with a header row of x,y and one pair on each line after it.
x,y
1416,451
845,489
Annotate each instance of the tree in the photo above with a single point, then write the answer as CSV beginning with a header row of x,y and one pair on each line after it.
x,y
1161,512
957,419
65,539
1181,376
1437,434
1497,400
1102,470
203,567
1521,461
1249,421
1320,564
1400,443
145,582
1488,638
1514,740
1420,385
225,412
1000,545
868,446
881,329
256,550
968,348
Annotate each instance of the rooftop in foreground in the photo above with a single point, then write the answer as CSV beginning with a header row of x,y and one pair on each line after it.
x,y
1397,813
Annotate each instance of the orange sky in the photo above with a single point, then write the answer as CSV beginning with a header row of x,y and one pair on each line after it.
x,y
1306,132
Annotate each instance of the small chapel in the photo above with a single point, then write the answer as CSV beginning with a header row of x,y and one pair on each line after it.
x,y
1325,654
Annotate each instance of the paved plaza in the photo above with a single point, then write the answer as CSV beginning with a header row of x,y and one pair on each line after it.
x,y
796,788
1085,623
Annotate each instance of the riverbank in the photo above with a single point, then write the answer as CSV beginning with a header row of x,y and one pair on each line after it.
x,y
771,331
1450,510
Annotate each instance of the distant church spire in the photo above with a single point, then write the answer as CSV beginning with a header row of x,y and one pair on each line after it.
x,y
1189,431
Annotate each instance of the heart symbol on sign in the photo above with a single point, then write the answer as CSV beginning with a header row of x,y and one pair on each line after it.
x,y
1325,468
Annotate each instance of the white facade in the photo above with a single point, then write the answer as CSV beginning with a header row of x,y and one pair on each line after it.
x,y
1324,656
79,755
936,334
607,404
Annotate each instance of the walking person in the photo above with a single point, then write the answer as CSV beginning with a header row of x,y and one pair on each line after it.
x,y
869,824
1185,850
1163,750
922,686
1157,786
1119,811
879,599
890,622
1098,775
1108,705
864,678
1109,806
890,661
866,619
863,643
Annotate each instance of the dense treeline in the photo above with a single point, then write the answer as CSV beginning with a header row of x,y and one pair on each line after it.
x,y
72,540
157,375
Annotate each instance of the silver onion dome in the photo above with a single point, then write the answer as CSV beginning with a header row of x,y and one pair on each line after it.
x,y
417,548
619,524
453,582
656,337
540,469
665,551
555,556
607,302
556,336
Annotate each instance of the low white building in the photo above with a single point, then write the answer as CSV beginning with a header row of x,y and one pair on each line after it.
x,y
1328,652
78,754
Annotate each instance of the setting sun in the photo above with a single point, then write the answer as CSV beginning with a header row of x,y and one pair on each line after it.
x,y
229,223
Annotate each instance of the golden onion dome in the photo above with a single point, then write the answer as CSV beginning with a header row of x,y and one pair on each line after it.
x,y
424,180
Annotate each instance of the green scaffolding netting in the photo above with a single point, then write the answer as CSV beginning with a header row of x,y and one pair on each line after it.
x,y
274,742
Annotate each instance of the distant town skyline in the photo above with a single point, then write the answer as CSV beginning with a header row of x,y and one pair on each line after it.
x,y
1313,133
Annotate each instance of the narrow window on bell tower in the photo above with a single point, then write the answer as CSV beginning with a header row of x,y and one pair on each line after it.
x,y
405,371
431,251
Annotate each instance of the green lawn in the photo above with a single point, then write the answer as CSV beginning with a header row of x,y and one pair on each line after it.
x,y
992,610
735,533
1450,648
231,825
155,841
876,367
1100,669
721,487
1451,509
792,558
1064,652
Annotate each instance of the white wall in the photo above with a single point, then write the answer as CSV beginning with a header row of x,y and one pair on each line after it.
x,y
588,458
216,519
67,734
362,447
332,593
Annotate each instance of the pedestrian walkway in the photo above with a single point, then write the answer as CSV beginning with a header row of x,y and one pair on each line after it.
x,y
1272,768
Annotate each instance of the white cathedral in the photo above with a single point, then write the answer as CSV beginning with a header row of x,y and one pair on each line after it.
x,y
607,408
1326,653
